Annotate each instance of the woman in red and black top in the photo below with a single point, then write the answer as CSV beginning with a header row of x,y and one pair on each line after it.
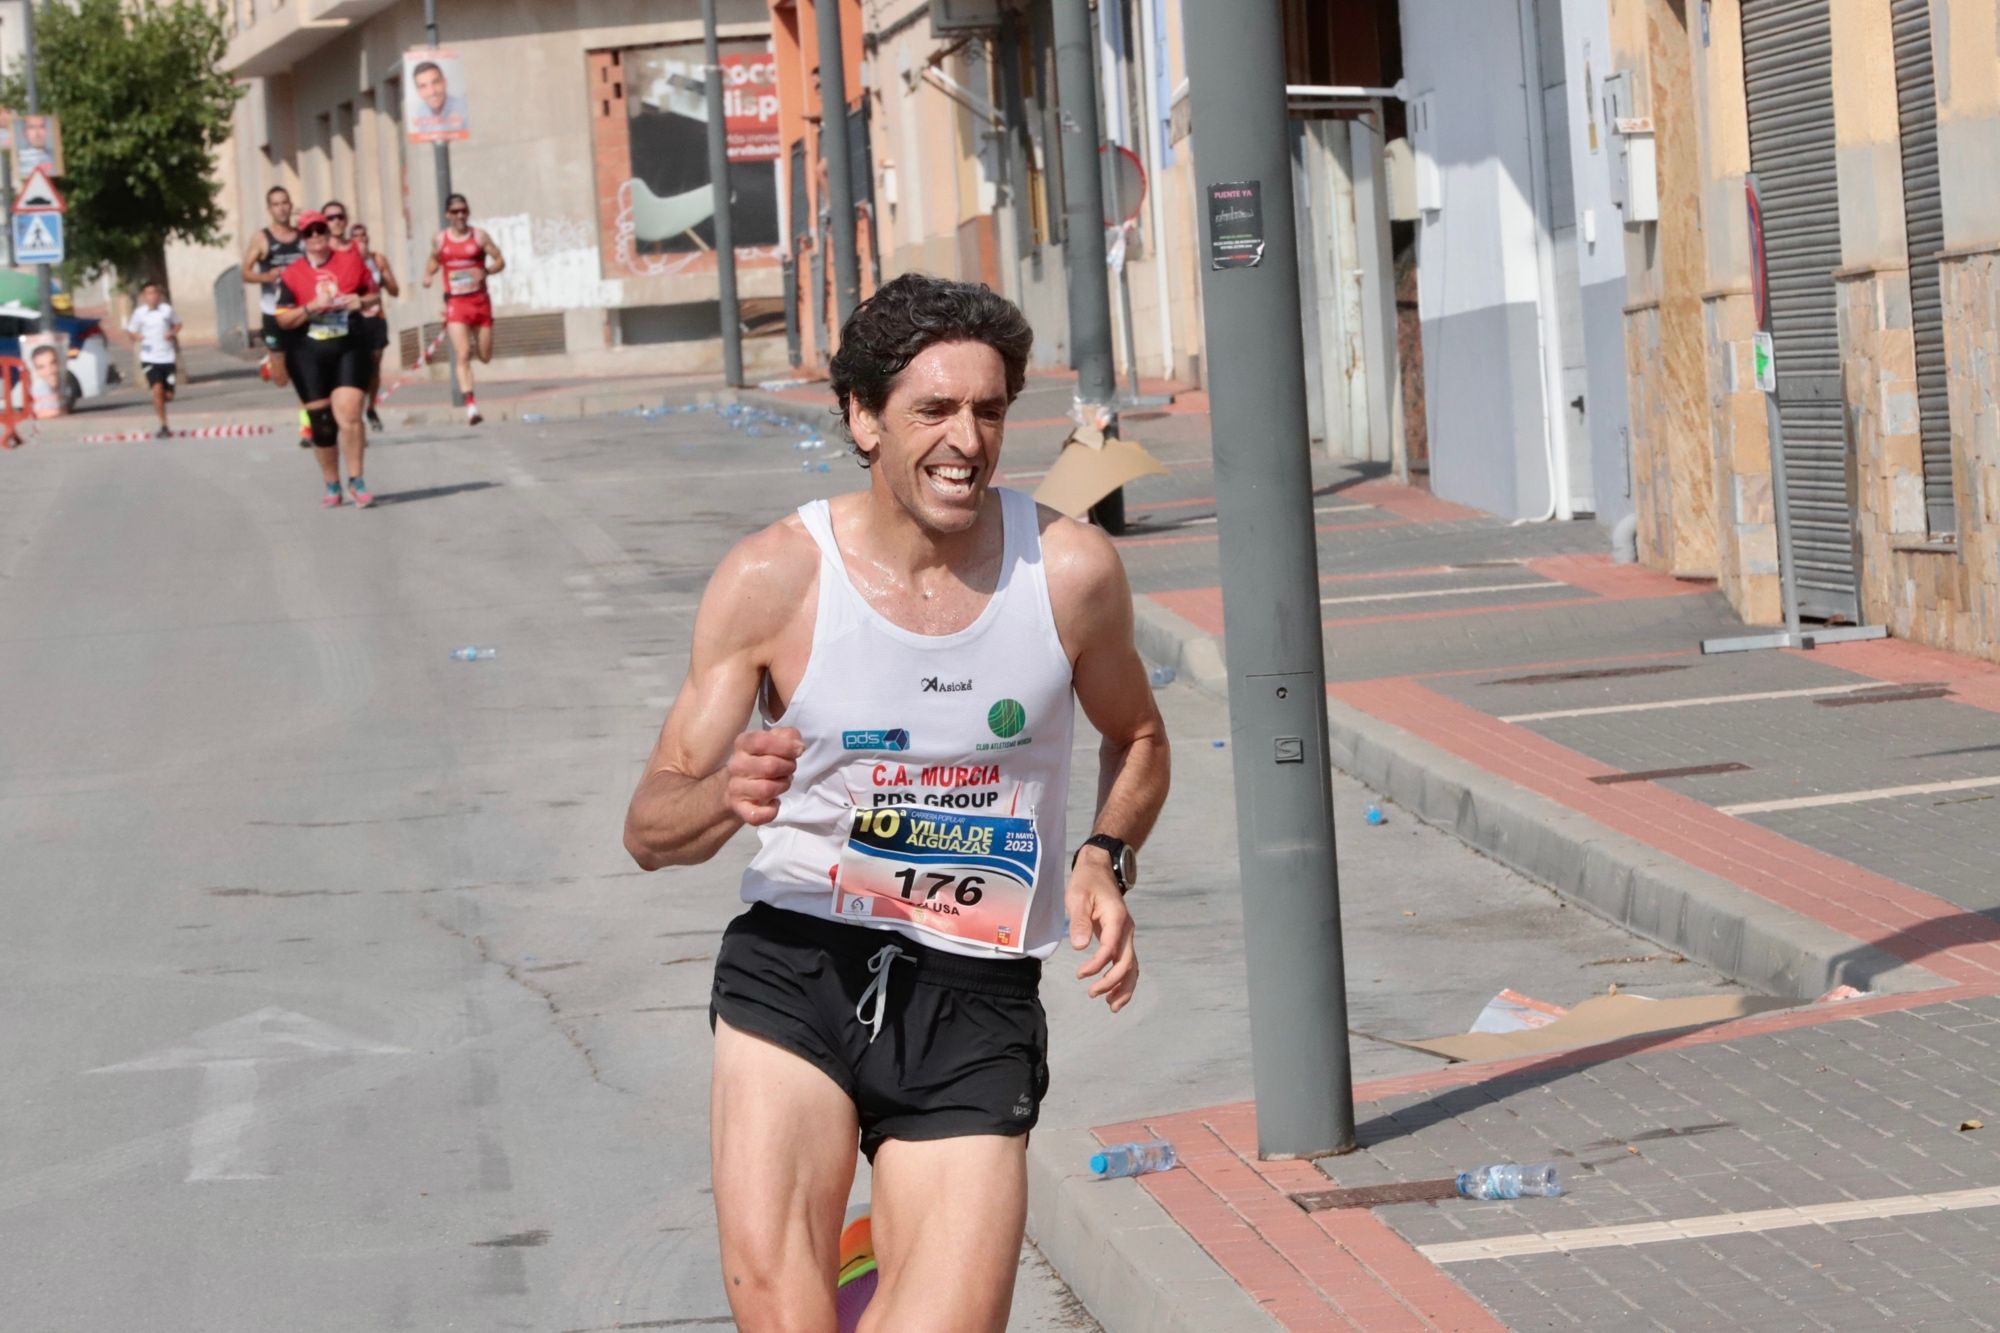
x,y
318,299
465,255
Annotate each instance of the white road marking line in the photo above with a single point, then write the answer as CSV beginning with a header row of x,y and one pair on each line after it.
x,y
1322,509
1713,1224
1606,710
1856,797
1439,592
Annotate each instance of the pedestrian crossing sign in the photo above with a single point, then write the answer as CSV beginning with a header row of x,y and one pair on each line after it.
x,y
38,238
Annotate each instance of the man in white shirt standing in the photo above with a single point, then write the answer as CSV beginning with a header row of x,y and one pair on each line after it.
x,y
157,330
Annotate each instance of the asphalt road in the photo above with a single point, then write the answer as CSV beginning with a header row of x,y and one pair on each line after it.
x,y
332,1001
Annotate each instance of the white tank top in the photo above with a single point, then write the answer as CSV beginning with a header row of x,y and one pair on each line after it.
x,y
965,737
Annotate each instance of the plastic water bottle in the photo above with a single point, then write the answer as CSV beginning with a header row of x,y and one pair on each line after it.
x,y
1160,675
1133,1159
1373,814
1510,1180
532,418
472,654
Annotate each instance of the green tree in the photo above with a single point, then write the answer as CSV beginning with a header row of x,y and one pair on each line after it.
x,y
144,105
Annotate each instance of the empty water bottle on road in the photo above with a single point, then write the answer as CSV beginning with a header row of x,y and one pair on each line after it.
x,y
472,654
1160,676
1510,1180
1373,814
1133,1159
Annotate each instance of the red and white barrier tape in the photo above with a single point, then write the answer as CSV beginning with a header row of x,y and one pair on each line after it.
x,y
229,432
423,362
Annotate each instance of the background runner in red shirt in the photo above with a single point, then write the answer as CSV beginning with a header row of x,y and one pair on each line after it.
x,y
465,254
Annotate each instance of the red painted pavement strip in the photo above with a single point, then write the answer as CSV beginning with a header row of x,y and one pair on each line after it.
x,y
1599,574
1133,543
1903,921
1973,681
1409,502
1239,1210
1354,1274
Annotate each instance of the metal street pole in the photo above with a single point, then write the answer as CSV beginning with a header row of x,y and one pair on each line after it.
x,y
1083,229
441,159
834,148
718,174
44,275
1270,580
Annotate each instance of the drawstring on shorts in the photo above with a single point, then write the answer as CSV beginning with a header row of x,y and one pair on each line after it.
x,y
878,988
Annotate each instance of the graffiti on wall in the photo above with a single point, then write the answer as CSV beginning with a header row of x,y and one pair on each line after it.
x,y
552,264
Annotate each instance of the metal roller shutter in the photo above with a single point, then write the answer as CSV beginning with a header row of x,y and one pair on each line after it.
x,y
1788,85
1923,229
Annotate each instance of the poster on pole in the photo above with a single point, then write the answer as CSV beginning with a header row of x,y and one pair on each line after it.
x,y
35,141
434,96
47,372
750,106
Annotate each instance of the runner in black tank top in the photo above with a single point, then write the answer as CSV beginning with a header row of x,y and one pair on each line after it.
x,y
270,254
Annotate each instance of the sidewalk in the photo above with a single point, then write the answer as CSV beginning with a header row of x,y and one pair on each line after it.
x,y
1795,820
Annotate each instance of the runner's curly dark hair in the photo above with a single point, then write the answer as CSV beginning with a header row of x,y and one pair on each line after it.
x,y
906,315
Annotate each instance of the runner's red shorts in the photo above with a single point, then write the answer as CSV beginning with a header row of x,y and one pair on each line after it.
x,y
474,309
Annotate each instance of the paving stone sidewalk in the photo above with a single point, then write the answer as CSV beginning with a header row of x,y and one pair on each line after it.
x,y
1810,1163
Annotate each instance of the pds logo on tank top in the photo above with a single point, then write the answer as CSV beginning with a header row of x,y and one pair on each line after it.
x,y
932,685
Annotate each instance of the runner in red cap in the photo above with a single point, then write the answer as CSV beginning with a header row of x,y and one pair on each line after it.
x,y
466,255
319,297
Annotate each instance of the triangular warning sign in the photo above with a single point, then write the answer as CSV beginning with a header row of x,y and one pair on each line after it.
x,y
38,194
36,237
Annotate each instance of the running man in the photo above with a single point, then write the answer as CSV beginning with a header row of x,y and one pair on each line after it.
x,y
157,330
467,256
374,329
335,214
317,301
269,255
912,654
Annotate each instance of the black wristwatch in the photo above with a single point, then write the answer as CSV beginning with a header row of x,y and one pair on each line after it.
x,y
1124,861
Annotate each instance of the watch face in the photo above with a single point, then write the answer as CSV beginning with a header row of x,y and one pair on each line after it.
x,y
1128,866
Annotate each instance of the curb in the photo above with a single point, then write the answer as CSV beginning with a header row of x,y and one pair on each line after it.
x,y
1613,876
1133,1267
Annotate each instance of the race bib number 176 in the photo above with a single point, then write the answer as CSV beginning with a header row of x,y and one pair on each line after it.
x,y
971,877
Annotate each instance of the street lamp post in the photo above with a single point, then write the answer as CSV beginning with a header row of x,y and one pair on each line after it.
x,y
835,150
1270,580
44,275
441,159
718,175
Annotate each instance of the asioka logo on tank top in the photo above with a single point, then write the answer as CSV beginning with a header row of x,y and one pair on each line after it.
x,y
932,685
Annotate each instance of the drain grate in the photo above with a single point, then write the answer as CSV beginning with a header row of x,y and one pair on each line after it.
x,y
1608,673
1658,774
1914,692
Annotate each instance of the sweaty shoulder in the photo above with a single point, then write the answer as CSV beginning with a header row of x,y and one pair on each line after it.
x,y
1087,588
763,582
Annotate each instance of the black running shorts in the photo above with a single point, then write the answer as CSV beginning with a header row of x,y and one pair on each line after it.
x,y
318,366
160,373
275,337
963,1046
372,331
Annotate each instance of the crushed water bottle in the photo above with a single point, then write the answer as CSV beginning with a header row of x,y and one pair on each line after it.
x,y
472,654
1160,675
1133,1159
1373,814
1510,1180
532,418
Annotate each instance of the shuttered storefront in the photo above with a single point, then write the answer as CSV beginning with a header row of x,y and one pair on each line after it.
x,y
1923,229
1788,83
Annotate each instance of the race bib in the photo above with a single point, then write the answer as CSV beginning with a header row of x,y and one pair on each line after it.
x,y
971,877
465,281
327,324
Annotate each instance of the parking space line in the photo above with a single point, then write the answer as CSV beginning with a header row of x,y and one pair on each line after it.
x,y
1712,1224
1606,710
1857,797
1437,592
